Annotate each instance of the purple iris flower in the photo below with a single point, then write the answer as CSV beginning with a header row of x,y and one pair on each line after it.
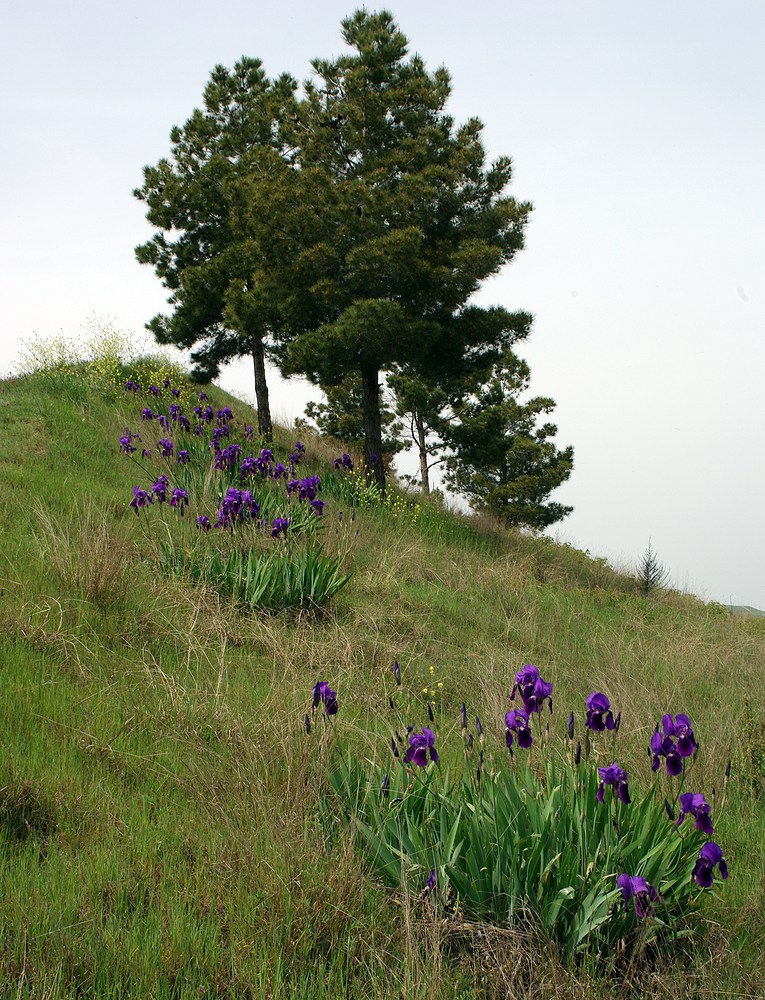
x,y
140,498
202,397
613,775
147,414
636,888
397,672
160,487
674,743
249,431
166,383
517,721
710,855
166,447
154,390
430,884
694,804
533,690
126,443
228,456
323,693
345,462
129,385
279,526
184,423
175,392
420,745
317,506
279,471
599,714
225,414
203,523
175,411
180,499
183,457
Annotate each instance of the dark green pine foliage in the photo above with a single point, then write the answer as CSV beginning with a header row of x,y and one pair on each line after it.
x,y
501,460
199,253
341,416
390,222
429,397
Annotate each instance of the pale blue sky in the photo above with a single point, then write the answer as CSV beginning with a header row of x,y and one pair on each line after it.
x,y
636,129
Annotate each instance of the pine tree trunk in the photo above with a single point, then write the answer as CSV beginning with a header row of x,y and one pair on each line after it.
x,y
419,424
370,388
265,427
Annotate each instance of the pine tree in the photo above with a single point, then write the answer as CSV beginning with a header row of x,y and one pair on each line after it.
x,y
500,459
200,253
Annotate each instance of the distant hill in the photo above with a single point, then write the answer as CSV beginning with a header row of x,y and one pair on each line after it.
x,y
743,609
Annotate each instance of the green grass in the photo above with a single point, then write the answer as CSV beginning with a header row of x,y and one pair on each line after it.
x,y
161,823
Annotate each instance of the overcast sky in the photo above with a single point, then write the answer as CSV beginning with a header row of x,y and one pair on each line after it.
x,y
637,130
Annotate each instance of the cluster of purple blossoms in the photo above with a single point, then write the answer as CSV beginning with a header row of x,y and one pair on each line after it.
x,y
599,714
262,463
420,746
235,507
674,744
249,431
159,489
225,458
131,386
533,690
323,693
641,892
298,453
280,526
179,498
516,721
203,523
710,855
615,776
218,434
224,415
306,488
147,413
183,457
204,413
155,391
165,447
344,462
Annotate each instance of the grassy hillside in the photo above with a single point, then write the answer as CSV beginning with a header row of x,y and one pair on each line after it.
x,y
163,820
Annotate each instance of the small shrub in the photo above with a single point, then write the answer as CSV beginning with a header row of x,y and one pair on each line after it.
x,y
651,575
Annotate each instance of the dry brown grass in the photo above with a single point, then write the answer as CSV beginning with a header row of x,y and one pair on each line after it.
x,y
88,552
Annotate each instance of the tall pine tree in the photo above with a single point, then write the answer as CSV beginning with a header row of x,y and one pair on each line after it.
x,y
390,218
